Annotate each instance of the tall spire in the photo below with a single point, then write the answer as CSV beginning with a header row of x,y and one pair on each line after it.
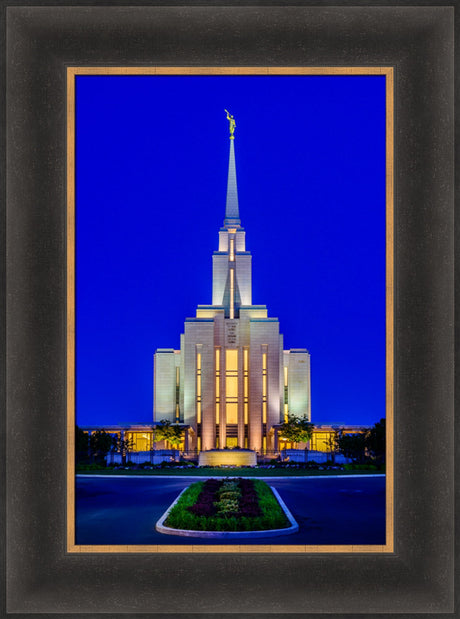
x,y
232,215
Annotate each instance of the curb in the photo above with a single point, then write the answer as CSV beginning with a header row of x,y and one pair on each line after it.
x,y
161,528
269,478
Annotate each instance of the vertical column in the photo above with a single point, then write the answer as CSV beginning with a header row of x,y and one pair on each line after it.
x,y
255,389
240,418
264,396
276,440
223,395
245,442
186,442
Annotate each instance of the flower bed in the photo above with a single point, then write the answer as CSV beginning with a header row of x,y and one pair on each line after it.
x,y
227,505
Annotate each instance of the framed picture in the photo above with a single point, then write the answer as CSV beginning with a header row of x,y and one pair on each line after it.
x,y
413,45
324,127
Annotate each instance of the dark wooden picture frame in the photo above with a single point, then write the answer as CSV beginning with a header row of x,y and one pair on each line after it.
x,y
41,43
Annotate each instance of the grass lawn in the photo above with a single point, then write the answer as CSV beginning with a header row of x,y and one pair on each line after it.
x,y
237,505
229,472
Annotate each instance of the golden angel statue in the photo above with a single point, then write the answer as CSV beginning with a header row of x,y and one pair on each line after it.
x,y
232,122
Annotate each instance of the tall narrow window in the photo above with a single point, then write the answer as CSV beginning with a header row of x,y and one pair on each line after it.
x,y
232,293
231,386
232,250
198,387
177,395
217,385
246,384
264,387
286,393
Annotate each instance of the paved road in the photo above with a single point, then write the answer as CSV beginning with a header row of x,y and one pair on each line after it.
x,y
341,510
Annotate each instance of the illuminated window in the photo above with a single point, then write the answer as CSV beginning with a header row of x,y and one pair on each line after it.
x,y
198,387
246,384
264,387
231,360
232,250
217,385
286,394
232,293
177,395
232,412
139,441
231,386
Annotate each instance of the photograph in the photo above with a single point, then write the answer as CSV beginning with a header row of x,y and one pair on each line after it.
x,y
231,300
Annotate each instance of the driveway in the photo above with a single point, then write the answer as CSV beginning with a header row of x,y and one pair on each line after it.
x,y
124,510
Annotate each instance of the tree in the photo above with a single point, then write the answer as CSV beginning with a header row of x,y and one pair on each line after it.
x,y
296,429
122,446
376,441
367,445
352,446
81,445
100,444
168,431
332,443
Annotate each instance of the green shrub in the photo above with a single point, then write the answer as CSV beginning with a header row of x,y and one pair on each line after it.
x,y
229,486
227,506
272,515
361,467
90,467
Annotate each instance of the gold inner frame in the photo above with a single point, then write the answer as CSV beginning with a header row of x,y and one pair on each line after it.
x,y
388,72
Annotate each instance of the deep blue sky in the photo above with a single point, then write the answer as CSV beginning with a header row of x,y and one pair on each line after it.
x,y
152,157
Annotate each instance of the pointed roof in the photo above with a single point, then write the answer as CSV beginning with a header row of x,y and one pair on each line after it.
x,y
232,215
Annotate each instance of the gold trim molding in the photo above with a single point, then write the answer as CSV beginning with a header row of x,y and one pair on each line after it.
x,y
72,72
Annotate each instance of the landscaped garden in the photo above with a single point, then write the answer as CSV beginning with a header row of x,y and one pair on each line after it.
x,y
227,505
365,452
264,470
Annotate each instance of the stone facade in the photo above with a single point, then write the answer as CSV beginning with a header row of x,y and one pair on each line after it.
x,y
231,382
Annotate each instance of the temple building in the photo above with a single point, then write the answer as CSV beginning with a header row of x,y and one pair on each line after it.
x,y
231,383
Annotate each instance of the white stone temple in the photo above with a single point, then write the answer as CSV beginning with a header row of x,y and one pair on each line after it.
x,y
231,382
